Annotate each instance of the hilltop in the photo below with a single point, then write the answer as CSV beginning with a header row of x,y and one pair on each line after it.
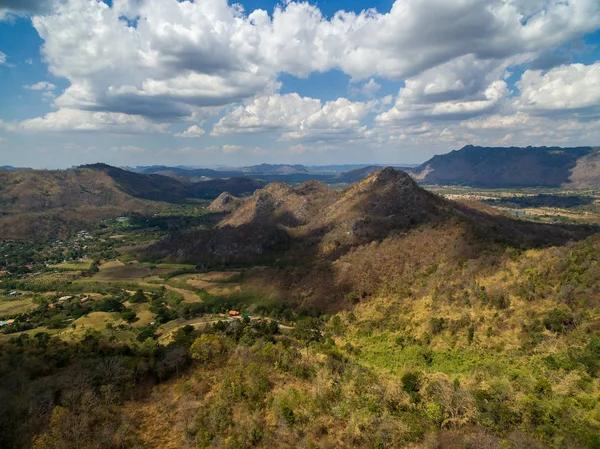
x,y
332,242
577,168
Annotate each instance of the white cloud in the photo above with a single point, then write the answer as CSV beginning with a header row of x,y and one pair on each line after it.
x,y
295,117
2,58
370,88
498,122
273,113
192,132
24,7
565,88
29,61
42,85
417,34
139,65
87,121
181,56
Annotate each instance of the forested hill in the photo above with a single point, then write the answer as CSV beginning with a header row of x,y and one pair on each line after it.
x,y
514,167
42,202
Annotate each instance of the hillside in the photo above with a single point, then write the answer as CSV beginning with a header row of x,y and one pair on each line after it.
x,y
52,202
513,167
333,243
381,316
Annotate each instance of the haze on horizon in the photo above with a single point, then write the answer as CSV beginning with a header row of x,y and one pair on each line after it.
x,y
143,82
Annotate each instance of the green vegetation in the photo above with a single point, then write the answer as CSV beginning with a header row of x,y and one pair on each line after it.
x,y
478,341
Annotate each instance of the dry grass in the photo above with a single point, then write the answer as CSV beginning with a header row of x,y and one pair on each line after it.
x,y
10,306
96,321
81,264
118,271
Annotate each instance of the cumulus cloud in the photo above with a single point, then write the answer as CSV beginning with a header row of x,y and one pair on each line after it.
x,y
192,132
572,87
178,58
166,58
370,88
417,34
295,117
2,58
23,7
42,85
87,121
140,65
457,90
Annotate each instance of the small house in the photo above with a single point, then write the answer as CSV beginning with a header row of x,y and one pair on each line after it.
x,y
14,294
65,298
234,313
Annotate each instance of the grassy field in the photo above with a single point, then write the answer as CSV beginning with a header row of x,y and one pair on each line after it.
x,y
144,316
81,265
118,271
96,321
10,306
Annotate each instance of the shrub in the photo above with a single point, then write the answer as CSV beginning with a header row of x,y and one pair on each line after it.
x,y
411,382
437,325
128,315
559,320
206,347
138,297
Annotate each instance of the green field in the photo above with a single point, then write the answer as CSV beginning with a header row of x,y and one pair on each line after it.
x,y
81,265
11,306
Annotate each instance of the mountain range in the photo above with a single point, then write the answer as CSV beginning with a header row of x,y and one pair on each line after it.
x,y
334,242
44,202
577,168
485,167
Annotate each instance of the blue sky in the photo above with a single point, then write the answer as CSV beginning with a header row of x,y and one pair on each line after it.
x,y
140,82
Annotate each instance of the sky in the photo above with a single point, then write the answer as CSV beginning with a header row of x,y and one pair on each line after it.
x,y
212,82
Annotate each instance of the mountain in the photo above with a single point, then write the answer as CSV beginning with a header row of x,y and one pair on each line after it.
x,y
11,168
281,169
46,202
225,202
513,167
356,240
280,204
185,172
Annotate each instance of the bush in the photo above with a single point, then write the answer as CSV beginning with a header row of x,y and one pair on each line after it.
x,y
437,325
206,348
128,315
411,382
138,297
559,320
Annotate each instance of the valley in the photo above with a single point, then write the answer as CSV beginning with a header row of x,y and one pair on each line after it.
x,y
381,314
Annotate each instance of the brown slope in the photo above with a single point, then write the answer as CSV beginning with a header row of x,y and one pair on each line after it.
x,y
586,173
379,232
318,221
370,209
279,204
53,203
225,202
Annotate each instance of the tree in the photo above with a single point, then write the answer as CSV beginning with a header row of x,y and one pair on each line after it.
x,y
307,331
128,315
138,297
206,348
